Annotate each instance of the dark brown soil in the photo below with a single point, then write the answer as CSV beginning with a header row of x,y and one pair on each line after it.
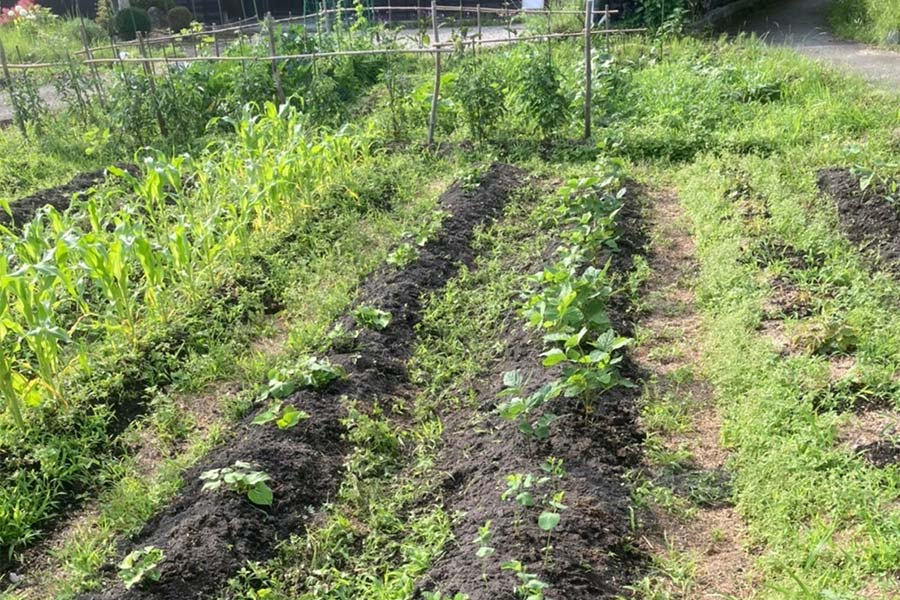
x,y
881,454
867,218
206,536
24,209
591,557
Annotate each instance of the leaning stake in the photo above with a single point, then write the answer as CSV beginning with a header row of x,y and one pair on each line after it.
x,y
437,73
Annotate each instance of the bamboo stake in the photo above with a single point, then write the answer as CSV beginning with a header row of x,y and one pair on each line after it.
x,y
81,103
215,35
588,16
478,19
275,74
12,96
148,69
87,52
435,97
606,25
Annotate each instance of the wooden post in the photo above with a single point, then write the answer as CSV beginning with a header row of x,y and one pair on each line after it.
x,y
9,86
588,16
221,13
390,18
255,10
215,35
151,81
77,88
435,97
606,25
270,25
89,56
478,19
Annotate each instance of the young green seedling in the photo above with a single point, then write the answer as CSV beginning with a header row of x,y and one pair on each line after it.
x,y
371,317
522,408
311,372
141,566
550,518
402,255
519,488
242,478
285,417
531,587
485,551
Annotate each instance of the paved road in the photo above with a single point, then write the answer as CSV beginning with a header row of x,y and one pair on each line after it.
x,y
802,25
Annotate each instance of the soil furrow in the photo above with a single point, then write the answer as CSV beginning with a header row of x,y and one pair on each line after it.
x,y
206,536
588,555
59,197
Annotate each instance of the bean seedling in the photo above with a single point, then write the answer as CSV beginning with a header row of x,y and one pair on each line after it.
x,y
285,417
140,566
485,551
531,587
242,478
522,408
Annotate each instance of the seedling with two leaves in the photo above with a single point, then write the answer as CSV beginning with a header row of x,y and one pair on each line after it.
x,y
485,550
242,478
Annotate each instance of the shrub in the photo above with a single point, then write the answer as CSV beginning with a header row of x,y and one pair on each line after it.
x,y
180,18
131,20
479,91
94,31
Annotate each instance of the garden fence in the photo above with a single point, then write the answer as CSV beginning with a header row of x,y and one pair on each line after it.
x,y
324,19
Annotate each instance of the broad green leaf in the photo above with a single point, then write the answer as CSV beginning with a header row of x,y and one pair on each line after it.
x,y
548,520
261,495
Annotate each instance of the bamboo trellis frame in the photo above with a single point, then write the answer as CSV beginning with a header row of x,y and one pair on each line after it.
x,y
435,48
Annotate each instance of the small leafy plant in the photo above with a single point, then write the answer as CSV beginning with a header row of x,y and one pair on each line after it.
x,y
312,373
402,255
242,478
284,417
141,566
485,550
531,587
371,317
522,408
549,519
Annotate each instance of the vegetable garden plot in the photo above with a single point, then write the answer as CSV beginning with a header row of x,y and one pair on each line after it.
x,y
296,451
537,473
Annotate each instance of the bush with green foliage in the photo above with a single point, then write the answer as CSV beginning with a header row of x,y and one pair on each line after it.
x,y
479,91
131,20
180,18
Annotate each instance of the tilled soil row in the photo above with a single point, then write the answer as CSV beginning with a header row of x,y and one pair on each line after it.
x,y
867,217
591,556
59,197
208,536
